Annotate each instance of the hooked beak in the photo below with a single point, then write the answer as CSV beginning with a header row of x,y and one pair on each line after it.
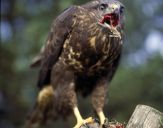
x,y
112,17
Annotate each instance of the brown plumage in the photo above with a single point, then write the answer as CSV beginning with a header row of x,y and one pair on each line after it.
x,y
81,55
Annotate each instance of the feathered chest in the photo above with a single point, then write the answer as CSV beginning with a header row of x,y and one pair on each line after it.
x,y
90,47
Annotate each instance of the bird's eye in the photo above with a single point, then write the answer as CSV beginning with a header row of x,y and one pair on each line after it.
x,y
122,9
103,7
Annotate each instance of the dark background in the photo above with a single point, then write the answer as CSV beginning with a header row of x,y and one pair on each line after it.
x,y
24,28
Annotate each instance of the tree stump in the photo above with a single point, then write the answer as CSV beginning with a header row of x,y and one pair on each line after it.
x,y
145,117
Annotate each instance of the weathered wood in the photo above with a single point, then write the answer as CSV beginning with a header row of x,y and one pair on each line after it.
x,y
145,117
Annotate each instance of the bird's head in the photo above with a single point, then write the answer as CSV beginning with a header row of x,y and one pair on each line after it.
x,y
110,13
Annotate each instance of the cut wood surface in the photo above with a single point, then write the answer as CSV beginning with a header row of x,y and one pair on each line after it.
x,y
145,117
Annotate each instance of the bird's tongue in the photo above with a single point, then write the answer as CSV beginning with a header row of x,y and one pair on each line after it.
x,y
111,19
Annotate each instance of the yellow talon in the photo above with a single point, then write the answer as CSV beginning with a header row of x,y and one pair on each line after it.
x,y
84,122
89,120
101,117
80,120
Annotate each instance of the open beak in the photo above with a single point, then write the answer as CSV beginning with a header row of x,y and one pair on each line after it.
x,y
112,16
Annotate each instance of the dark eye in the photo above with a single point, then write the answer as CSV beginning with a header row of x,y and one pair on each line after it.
x,y
122,9
103,6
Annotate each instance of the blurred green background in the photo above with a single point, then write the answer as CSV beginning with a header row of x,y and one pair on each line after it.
x,y
24,28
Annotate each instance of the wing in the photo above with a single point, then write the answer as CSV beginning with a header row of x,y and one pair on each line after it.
x,y
60,30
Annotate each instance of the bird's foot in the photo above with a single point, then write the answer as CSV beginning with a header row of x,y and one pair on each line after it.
x,y
103,119
105,124
84,122
113,124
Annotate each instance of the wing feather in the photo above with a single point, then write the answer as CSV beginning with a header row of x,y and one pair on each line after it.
x,y
60,30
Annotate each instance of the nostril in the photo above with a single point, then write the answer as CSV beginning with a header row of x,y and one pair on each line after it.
x,y
114,6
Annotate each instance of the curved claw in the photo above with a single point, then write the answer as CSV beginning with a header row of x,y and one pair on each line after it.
x,y
106,123
84,122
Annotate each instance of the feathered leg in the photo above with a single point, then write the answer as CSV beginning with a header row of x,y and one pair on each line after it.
x,y
98,99
67,99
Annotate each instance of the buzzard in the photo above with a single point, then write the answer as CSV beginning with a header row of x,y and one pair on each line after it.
x,y
80,56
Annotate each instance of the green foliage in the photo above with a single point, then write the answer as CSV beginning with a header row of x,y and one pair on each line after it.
x,y
30,22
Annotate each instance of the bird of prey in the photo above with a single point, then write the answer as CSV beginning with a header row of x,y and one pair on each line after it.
x,y
80,56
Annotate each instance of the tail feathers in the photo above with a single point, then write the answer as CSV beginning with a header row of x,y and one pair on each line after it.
x,y
44,108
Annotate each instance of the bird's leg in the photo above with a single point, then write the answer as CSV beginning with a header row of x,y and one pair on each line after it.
x,y
77,115
101,116
80,120
98,99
